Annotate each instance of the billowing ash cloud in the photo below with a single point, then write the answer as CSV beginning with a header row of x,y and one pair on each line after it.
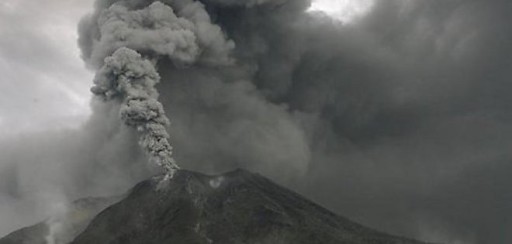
x,y
193,53
386,113
157,30
127,77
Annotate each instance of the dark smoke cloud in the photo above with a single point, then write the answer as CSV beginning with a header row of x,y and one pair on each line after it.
x,y
400,121
130,80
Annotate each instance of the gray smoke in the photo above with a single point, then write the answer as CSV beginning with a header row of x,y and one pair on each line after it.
x,y
179,35
131,80
156,29
372,112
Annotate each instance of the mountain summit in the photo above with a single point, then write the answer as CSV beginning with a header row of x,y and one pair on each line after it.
x,y
233,208
238,207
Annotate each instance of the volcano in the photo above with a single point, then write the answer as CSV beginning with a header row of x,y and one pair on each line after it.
x,y
238,207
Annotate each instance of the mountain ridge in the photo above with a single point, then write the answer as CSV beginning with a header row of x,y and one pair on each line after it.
x,y
237,207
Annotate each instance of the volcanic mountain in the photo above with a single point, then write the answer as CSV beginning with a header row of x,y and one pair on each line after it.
x,y
238,207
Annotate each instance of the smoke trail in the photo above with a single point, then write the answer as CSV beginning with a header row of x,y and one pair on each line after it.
x,y
129,78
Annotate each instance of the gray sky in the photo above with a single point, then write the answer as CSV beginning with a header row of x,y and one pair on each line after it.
x,y
44,82
399,119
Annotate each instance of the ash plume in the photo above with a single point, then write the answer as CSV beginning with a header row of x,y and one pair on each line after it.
x,y
128,78
131,80
209,85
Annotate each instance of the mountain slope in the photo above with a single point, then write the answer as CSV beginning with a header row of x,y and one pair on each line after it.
x,y
237,207
64,227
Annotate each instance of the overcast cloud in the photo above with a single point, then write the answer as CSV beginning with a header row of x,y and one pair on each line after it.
x,y
44,83
400,120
